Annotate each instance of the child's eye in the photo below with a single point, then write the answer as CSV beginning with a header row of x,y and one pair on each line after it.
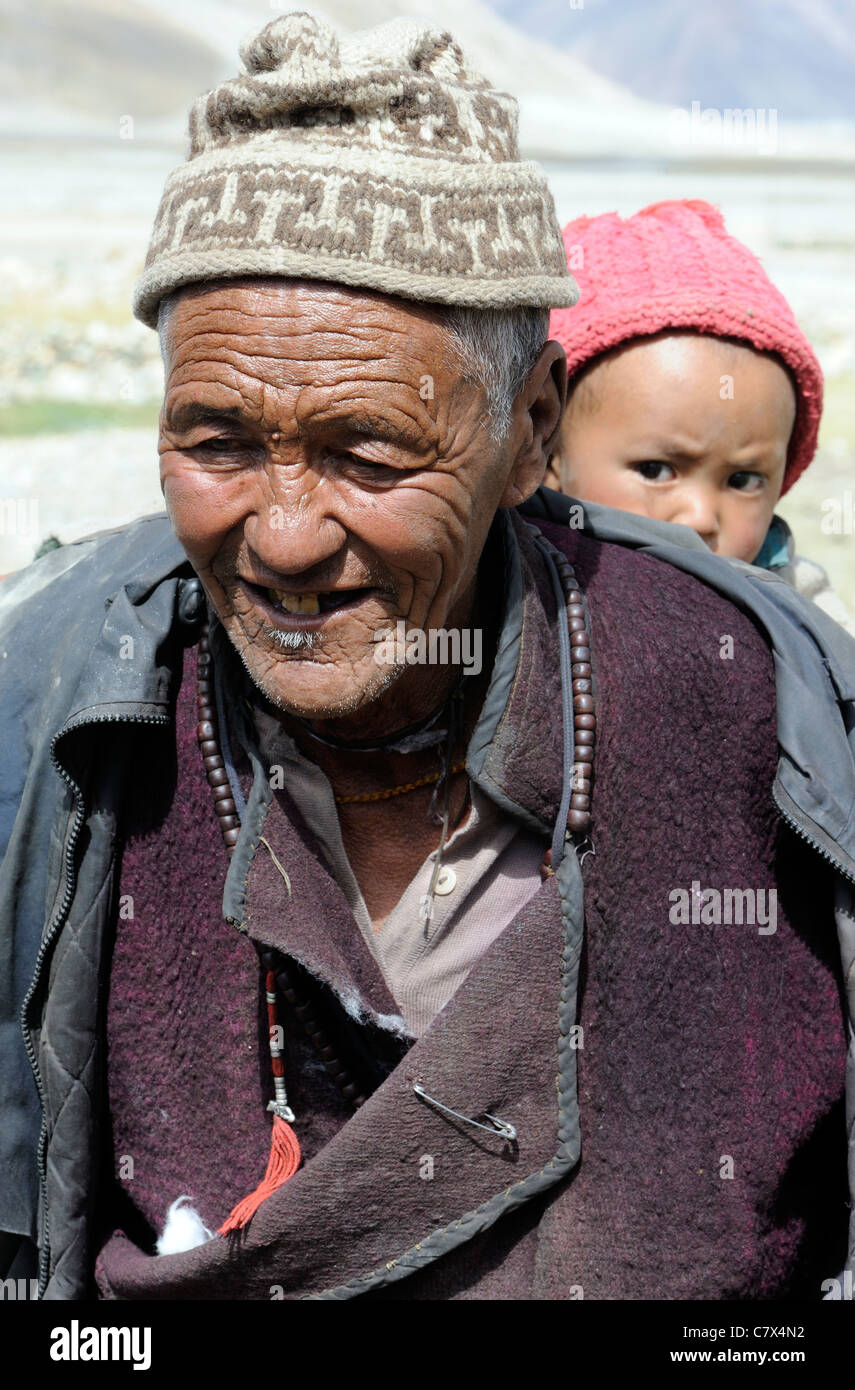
x,y
654,470
746,482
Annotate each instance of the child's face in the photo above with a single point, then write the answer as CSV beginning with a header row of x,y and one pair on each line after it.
x,y
682,427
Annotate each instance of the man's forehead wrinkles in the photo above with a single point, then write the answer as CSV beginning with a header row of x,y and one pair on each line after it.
x,y
190,384
398,408
285,316
274,367
338,359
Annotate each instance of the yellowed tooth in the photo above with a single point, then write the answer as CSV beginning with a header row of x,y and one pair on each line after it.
x,y
296,603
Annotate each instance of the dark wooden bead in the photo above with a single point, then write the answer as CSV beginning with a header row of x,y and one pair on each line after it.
x,y
580,654
581,669
230,822
582,766
225,805
585,721
574,596
269,959
351,1090
585,737
326,1053
581,687
203,689
583,703
205,729
576,624
575,610
231,837
579,638
203,661
210,748
213,763
218,777
335,1068
578,821
582,784
580,801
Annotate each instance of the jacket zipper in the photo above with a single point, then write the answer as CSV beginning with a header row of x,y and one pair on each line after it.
x,y
815,844
70,881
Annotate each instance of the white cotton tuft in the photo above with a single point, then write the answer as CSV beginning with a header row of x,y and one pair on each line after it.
x,y
184,1229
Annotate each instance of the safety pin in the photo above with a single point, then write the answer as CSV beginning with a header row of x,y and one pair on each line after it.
x,y
497,1126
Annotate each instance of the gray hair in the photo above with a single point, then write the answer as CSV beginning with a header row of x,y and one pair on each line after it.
x,y
493,348
497,348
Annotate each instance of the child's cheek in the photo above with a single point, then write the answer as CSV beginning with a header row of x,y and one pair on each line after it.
x,y
742,537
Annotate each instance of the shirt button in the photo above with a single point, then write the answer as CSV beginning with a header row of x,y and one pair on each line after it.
x,y
446,881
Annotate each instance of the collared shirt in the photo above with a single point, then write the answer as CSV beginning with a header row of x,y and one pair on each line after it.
x,y
490,869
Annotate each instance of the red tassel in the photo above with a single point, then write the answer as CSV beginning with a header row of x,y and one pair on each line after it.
x,y
283,1163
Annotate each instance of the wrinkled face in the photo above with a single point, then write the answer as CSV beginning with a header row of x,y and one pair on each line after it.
x,y
328,473
686,428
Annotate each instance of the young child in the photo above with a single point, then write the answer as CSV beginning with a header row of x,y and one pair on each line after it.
x,y
694,397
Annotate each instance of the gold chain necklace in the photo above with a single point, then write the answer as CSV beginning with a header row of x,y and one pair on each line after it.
x,y
398,791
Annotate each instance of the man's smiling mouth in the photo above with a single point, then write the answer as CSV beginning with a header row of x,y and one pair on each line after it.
x,y
291,605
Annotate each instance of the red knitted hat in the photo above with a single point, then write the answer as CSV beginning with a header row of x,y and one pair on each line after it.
x,y
674,265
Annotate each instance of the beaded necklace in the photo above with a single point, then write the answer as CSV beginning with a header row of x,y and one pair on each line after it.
x,y
285,1156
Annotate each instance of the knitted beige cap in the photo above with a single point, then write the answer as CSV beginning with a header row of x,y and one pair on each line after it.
x,y
376,159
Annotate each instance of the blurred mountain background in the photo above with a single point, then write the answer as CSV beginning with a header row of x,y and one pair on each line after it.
x,y
93,103
797,56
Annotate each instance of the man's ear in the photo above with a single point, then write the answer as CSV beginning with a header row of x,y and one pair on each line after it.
x,y
552,476
535,423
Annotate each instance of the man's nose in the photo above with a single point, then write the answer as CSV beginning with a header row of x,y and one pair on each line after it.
x,y
295,522
696,506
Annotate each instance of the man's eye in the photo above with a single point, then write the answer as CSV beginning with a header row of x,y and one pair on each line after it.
x,y
746,482
220,446
654,470
369,468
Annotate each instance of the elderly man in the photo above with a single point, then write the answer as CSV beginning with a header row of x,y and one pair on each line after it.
x,y
310,790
